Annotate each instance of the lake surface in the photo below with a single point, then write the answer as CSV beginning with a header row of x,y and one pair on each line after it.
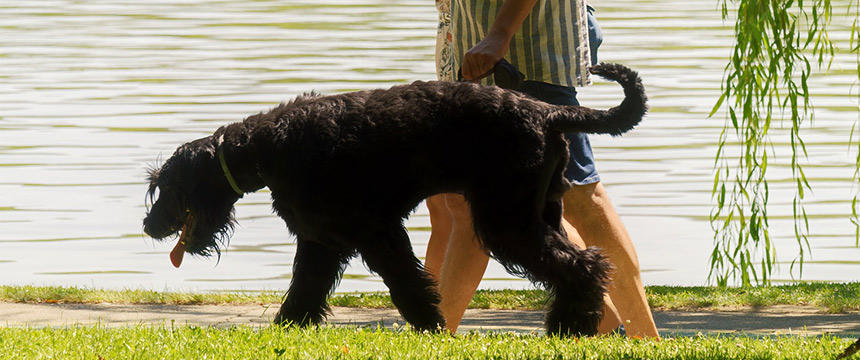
x,y
92,93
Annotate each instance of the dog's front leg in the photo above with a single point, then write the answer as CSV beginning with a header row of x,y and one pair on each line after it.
x,y
413,291
316,271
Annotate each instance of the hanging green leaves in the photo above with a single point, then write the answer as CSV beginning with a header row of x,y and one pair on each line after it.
x,y
766,79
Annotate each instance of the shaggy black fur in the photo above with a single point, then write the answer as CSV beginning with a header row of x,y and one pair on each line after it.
x,y
346,170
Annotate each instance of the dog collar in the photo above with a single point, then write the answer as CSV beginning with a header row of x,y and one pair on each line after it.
x,y
228,175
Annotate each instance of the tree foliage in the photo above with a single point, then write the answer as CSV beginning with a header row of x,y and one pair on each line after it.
x,y
778,45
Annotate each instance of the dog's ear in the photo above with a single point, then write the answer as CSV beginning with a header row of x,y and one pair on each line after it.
x,y
193,157
153,171
152,178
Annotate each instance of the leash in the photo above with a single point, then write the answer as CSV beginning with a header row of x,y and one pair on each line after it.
x,y
505,75
228,175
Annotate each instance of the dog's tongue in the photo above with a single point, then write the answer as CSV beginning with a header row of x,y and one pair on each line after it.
x,y
179,250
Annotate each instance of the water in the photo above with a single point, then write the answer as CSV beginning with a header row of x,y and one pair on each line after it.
x,y
92,93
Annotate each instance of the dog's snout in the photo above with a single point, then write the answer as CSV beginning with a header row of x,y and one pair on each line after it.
x,y
149,228
158,228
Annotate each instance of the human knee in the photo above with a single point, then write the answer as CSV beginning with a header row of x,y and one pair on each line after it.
x,y
627,266
585,200
457,206
436,205
572,234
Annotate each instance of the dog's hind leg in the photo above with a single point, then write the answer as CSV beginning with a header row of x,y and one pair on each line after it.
x,y
389,254
576,280
520,239
553,184
316,271
578,293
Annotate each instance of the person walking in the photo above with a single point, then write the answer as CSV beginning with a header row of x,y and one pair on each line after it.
x,y
553,42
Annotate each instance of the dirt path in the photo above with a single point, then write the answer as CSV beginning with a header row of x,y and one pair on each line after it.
x,y
778,320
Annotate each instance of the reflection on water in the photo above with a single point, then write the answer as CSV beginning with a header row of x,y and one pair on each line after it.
x,y
111,87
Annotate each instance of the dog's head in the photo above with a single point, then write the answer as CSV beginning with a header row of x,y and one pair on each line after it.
x,y
190,196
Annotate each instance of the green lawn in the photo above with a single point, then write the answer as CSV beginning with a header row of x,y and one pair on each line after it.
x,y
829,297
184,342
372,343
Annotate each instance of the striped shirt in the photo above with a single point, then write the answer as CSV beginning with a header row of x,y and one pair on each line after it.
x,y
551,46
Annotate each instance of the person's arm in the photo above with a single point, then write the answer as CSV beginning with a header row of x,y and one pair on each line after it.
x,y
481,58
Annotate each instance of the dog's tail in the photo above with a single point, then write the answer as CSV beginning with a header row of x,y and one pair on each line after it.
x,y
614,121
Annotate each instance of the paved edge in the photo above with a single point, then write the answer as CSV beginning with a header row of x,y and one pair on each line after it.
x,y
776,320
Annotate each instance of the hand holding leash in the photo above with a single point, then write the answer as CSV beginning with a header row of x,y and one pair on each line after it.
x,y
505,75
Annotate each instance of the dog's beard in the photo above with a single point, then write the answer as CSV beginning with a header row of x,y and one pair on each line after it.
x,y
203,234
201,229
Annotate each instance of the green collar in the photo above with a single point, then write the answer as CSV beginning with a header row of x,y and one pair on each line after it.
x,y
227,174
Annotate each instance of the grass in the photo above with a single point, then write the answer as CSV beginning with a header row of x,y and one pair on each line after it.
x,y
373,343
831,297
834,298
78,295
189,342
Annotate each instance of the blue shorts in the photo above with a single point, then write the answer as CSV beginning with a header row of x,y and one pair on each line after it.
x,y
580,170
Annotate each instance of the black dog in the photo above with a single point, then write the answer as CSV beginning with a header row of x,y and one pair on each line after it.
x,y
345,170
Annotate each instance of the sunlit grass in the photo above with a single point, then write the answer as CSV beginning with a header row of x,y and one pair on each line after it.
x,y
830,297
374,343
826,296
56,294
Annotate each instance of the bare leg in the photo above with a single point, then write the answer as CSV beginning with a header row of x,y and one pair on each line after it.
x,y
455,253
440,225
590,211
610,320
455,256
527,246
